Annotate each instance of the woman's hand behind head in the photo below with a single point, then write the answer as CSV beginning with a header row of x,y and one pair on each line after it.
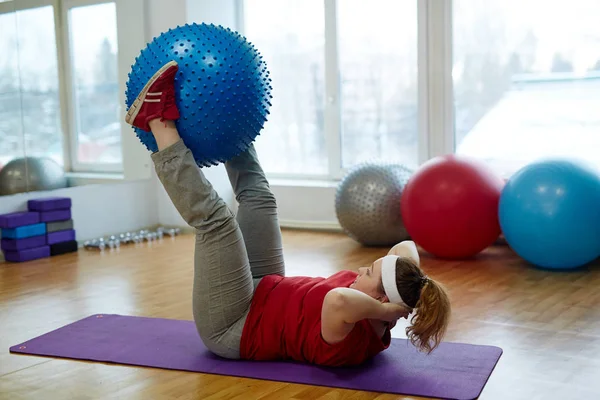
x,y
406,249
393,312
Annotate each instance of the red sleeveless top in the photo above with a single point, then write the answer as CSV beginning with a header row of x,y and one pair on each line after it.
x,y
284,323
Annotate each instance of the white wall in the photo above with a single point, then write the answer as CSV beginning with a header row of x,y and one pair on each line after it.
x,y
222,12
132,24
309,205
99,210
162,15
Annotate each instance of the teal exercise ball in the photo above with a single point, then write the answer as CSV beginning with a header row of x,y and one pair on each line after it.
x,y
549,212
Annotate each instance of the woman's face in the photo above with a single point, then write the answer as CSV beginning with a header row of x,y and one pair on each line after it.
x,y
369,281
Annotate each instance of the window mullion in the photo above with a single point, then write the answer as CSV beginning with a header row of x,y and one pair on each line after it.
x,y
435,80
239,17
332,92
67,100
423,79
63,83
131,39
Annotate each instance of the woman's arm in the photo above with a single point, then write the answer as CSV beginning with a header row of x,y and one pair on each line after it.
x,y
406,249
343,307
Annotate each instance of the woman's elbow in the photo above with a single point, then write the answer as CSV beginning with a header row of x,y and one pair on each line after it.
x,y
335,300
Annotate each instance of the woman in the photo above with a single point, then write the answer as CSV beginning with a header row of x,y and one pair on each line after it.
x,y
243,305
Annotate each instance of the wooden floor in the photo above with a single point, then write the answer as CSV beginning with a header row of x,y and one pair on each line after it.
x,y
547,323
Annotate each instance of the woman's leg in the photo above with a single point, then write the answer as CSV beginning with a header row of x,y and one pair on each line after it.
x,y
223,286
257,214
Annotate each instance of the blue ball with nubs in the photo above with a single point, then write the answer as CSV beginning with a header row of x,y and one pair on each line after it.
x,y
549,213
222,89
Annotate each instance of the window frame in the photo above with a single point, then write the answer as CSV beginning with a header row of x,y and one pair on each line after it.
x,y
65,82
19,5
69,87
12,6
435,86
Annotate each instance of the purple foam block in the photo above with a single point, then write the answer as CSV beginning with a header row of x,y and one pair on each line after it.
x,y
49,204
14,220
23,244
61,236
27,255
452,371
56,215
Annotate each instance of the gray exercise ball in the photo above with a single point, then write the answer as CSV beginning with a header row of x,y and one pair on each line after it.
x,y
367,203
30,174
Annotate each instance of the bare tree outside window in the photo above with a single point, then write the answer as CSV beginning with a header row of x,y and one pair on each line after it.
x,y
526,80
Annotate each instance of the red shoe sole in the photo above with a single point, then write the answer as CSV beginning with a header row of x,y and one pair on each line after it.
x,y
135,108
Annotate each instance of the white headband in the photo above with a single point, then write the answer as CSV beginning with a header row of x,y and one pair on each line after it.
x,y
388,278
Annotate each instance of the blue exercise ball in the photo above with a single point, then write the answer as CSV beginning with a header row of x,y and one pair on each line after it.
x,y
549,212
222,89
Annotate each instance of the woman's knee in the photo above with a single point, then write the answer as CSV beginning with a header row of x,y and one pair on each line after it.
x,y
219,218
223,351
224,346
259,196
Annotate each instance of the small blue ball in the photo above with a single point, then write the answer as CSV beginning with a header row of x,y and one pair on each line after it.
x,y
222,89
550,215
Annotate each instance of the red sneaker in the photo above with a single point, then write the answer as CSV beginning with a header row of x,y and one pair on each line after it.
x,y
156,100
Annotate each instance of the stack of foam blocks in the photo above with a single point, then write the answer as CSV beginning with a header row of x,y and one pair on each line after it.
x,y
45,230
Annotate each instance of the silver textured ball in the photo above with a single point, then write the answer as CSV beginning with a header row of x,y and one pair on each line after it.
x,y
367,203
30,174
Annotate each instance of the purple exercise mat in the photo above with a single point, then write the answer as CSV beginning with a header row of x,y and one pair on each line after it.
x,y
453,371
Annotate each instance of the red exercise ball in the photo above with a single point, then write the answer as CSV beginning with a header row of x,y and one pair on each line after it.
x,y
450,206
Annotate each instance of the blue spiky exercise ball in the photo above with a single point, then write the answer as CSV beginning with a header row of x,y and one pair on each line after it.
x,y
222,89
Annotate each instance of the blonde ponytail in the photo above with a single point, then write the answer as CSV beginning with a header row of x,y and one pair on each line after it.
x,y
430,321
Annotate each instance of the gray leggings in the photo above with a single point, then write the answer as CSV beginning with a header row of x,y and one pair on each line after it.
x,y
232,253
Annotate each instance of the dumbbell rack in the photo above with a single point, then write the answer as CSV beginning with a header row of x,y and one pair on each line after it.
x,y
115,241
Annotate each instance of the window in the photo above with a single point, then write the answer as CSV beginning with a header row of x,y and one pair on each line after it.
x,y
378,73
527,83
30,121
345,83
11,129
59,86
95,86
291,37
408,80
